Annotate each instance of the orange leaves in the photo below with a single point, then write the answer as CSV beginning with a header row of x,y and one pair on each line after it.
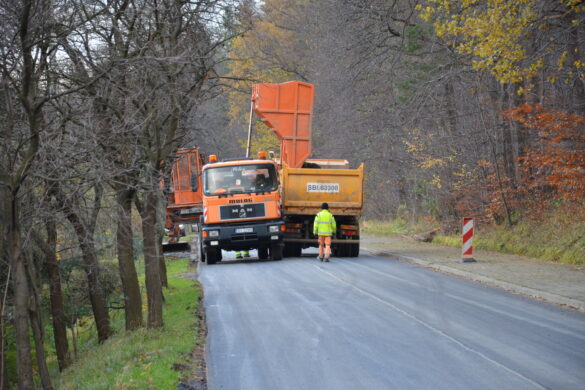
x,y
554,164
551,168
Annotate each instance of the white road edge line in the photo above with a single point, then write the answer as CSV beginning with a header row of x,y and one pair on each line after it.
x,y
433,329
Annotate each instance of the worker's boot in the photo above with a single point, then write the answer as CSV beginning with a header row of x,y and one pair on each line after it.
x,y
326,260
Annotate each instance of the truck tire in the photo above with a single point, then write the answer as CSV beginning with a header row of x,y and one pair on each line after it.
x,y
213,255
297,250
354,250
293,250
276,252
263,253
341,250
202,252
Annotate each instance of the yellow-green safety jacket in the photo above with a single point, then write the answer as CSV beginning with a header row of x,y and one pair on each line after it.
x,y
324,224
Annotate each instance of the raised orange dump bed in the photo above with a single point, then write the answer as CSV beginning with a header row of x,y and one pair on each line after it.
x,y
185,188
287,109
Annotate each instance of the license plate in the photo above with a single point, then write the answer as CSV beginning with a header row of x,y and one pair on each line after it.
x,y
323,187
244,230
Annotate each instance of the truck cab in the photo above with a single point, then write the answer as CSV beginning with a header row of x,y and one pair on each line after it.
x,y
241,208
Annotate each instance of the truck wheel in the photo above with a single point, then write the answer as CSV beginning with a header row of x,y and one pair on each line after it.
x,y
347,250
213,255
292,250
354,250
276,252
202,252
263,253
296,250
341,250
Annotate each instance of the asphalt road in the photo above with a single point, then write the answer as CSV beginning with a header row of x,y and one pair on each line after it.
x,y
374,323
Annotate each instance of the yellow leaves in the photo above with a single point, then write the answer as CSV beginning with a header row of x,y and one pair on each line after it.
x,y
562,59
492,31
436,181
412,148
257,56
432,162
425,13
573,3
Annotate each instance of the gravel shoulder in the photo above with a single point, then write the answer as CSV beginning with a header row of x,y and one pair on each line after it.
x,y
560,284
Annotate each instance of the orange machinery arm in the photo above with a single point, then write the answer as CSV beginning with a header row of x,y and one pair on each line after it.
x,y
287,109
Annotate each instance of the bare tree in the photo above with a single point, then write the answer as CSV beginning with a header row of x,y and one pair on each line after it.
x,y
30,33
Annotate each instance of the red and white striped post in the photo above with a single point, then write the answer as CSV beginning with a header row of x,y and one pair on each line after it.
x,y
467,241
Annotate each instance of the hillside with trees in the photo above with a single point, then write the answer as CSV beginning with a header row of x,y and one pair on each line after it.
x,y
457,108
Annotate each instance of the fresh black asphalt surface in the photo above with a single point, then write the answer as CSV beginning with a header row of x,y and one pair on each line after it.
x,y
373,323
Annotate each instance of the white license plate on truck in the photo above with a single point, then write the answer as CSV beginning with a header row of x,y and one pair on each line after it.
x,y
323,187
245,230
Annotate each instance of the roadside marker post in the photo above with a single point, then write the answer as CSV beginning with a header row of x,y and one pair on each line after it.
x,y
467,241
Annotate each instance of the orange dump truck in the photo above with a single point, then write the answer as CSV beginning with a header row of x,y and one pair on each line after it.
x,y
185,203
241,208
306,183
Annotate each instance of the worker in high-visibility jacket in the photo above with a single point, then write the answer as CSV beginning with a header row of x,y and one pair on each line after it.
x,y
324,228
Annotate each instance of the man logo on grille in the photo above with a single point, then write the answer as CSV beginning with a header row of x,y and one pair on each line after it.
x,y
242,213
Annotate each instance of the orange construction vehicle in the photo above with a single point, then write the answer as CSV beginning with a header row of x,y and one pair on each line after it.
x,y
241,208
185,204
278,219
306,183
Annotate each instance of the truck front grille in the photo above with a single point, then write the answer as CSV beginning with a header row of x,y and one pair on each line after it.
x,y
244,237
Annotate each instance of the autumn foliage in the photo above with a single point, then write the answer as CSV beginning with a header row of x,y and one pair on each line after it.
x,y
551,168
554,164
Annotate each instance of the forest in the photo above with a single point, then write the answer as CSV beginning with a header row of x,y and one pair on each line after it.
x,y
456,107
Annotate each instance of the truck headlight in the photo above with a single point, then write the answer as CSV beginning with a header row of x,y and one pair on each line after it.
x,y
213,233
273,228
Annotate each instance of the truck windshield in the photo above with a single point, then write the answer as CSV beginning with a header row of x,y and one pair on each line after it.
x,y
240,179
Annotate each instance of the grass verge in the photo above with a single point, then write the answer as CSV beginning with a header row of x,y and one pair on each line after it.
x,y
555,235
146,358
395,227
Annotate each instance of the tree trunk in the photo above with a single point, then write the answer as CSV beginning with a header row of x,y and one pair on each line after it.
x,y
578,98
3,369
74,340
96,294
451,111
161,260
151,261
507,142
128,275
87,246
159,238
37,328
21,319
56,298
24,370
160,229
7,265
